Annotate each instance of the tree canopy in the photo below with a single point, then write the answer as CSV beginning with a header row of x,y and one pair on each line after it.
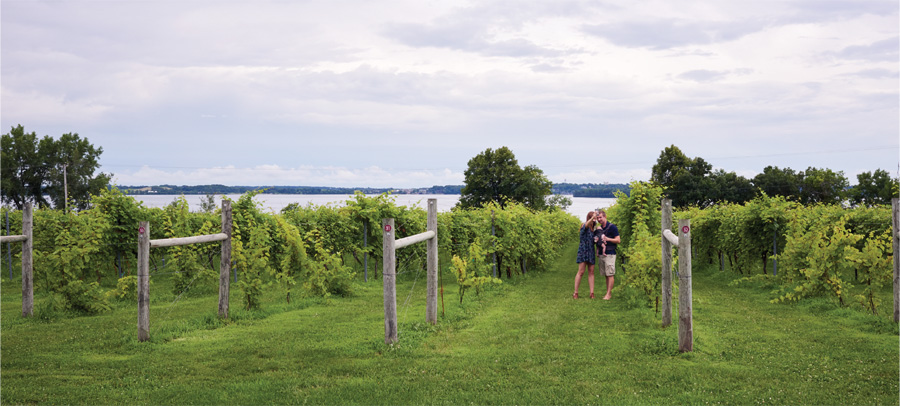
x,y
691,182
33,169
874,188
495,175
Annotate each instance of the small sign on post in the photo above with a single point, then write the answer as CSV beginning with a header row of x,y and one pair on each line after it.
x,y
387,228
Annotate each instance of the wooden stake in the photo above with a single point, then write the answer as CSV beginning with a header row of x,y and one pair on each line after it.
x,y
895,223
225,262
432,264
388,277
143,281
28,261
685,310
666,280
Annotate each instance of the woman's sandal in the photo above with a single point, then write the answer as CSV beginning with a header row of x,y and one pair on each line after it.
x,y
575,295
592,295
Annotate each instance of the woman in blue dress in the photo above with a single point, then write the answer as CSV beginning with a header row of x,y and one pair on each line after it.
x,y
586,256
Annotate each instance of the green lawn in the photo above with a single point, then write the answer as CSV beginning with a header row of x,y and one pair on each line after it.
x,y
525,342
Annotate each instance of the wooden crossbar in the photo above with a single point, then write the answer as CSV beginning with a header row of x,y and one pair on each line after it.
x,y
197,239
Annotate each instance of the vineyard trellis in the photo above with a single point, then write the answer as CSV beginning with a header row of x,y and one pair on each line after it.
x,y
389,270
27,240
144,245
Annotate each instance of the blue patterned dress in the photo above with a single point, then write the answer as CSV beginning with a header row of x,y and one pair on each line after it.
x,y
586,247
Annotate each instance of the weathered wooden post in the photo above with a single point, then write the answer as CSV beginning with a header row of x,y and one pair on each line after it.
x,y
666,281
494,242
895,223
28,261
143,281
225,262
8,250
365,253
685,307
432,266
388,278
27,240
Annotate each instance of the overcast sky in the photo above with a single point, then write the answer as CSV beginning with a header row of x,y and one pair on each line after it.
x,y
404,93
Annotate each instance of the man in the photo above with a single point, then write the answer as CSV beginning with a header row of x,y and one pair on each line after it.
x,y
607,235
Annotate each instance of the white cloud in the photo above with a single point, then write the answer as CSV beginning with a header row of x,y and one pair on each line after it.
x,y
275,175
333,92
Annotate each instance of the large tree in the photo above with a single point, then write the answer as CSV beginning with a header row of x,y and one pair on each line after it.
x,y
685,179
31,169
823,186
774,181
874,188
495,175
730,187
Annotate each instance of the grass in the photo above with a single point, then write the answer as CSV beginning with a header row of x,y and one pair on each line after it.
x,y
522,342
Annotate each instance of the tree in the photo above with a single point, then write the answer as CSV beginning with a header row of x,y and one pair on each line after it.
x,y
495,175
76,159
874,188
685,179
774,181
32,169
729,187
823,186
22,169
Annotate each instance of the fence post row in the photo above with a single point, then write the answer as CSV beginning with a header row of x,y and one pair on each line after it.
x,y
27,240
389,270
666,280
895,223
144,245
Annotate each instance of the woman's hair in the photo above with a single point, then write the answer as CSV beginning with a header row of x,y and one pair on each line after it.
x,y
589,220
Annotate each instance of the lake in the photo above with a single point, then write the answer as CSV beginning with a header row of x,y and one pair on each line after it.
x,y
275,202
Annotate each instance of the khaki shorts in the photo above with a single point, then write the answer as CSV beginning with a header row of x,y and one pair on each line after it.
x,y
607,264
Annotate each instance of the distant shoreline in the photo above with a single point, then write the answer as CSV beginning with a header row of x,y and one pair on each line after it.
x,y
568,189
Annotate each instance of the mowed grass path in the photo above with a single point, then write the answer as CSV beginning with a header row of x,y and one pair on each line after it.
x,y
525,342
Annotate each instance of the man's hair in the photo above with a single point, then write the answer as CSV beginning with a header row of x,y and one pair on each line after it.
x,y
603,212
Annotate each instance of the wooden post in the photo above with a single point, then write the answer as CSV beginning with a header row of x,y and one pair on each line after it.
x,y
143,275
8,251
388,277
225,263
27,261
432,264
494,242
666,224
685,317
895,223
365,253
775,252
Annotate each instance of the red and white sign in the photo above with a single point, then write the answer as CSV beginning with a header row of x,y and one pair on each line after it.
x,y
387,228
140,230
685,229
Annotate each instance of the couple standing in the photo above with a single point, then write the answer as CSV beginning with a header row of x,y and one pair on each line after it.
x,y
597,232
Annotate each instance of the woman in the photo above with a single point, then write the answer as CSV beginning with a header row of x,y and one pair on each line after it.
x,y
586,256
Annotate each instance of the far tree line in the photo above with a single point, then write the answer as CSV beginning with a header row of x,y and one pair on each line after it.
x,y
47,171
692,182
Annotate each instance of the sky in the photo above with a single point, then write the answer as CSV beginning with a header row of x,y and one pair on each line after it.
x,y
404,93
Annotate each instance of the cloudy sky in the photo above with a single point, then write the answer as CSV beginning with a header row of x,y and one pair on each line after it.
x,y
404,93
